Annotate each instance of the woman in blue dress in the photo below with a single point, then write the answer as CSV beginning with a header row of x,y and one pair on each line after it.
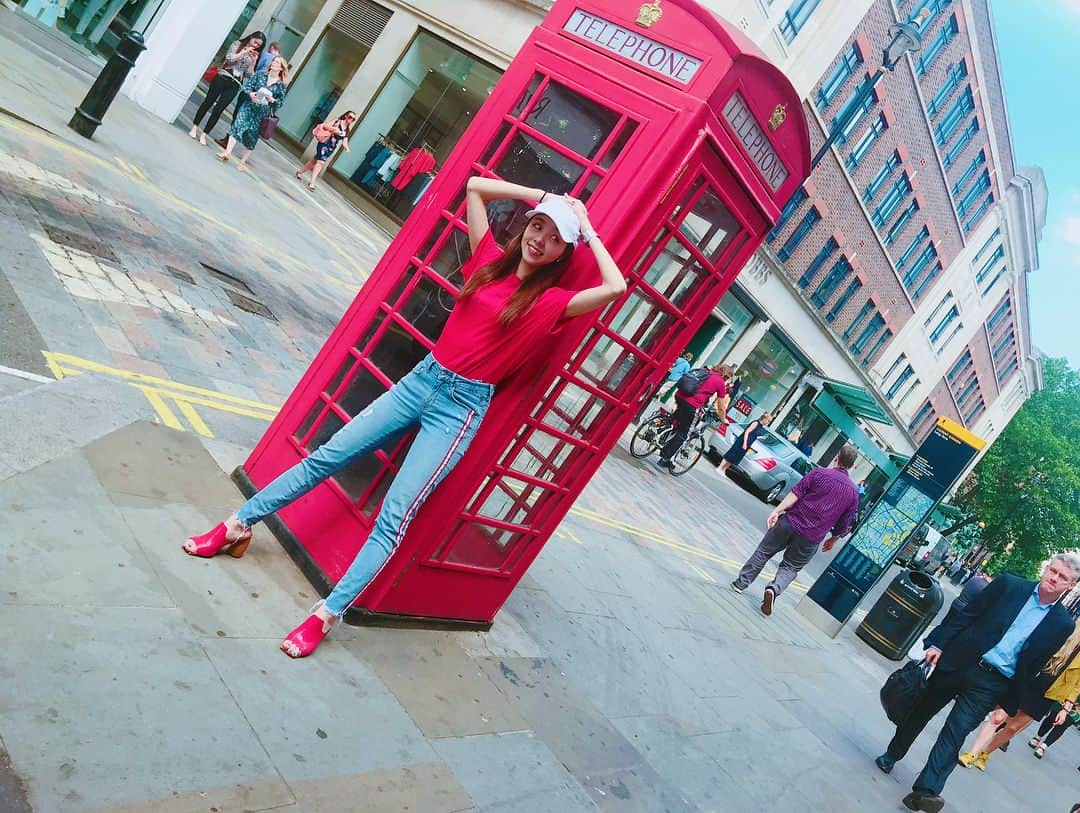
x,y
741,445
260,95
327,136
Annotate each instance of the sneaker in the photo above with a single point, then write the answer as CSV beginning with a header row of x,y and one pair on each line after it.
x,y
736,588
667,465
926,802
885,763
767,600
966,759
980,761
1034,742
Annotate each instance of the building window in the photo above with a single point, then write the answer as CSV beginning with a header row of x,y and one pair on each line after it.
x,y
854,111
864,311
931,52
915,245
922,262
935,269
965,138
797,236
865,142
987,202
1003,310
901,379
925,411
953,78
935,7
869,332
880,343
895,366
951,315
1006,342
900,189
792,206
986,246
795,18
817,263
988,266
901,221
853,288
883,175
973,194
973,167
961,109
832,86
1005,374
836,275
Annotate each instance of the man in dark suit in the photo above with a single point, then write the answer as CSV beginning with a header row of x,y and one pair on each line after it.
x,y
1008,631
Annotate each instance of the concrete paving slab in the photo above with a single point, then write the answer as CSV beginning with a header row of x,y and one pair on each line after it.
x,y
72,548
118,705
513,771
444,692
426,788
318,717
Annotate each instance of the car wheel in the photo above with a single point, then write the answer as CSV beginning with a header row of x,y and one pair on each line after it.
x,y
774,493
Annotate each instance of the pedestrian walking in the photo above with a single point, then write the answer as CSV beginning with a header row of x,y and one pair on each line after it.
x,y
741,444
974,586
327,136
1011,625
238,64
1055,683
823,500
1060,718
686,407
508,311
265,91
272,50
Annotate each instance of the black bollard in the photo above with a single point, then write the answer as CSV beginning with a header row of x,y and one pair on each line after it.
x,y
88,115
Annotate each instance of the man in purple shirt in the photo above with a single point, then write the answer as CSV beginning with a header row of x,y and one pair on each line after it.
x,y
823,500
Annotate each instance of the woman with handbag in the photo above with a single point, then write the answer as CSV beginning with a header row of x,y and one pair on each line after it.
x,y
327,136
510,307
265,92
741,445
238,65
1058,681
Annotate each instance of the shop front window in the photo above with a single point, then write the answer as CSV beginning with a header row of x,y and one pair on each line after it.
x,y
728,326
415,121
768,374
290,23
97,25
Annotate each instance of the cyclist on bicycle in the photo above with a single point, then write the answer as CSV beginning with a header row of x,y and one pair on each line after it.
x,y
686,407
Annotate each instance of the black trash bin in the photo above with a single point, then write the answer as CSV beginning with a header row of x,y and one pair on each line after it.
x,y
903,612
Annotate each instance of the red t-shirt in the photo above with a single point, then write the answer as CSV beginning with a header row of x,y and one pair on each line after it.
x,y
474,345
713,385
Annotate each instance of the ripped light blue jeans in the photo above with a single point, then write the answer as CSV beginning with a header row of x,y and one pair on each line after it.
x,y
446,407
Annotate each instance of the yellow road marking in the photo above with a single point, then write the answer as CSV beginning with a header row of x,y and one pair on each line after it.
x,y
161,391
702,572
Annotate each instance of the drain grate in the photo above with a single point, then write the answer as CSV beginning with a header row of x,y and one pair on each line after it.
x,y
228,279
80,242
246,303
183,276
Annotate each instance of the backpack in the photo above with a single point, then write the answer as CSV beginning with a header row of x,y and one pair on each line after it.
x,y
690,383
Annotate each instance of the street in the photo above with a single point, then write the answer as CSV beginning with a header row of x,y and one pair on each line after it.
x,y
157,308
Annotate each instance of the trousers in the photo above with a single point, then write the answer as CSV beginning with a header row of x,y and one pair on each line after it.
x,y
798,550
681,422
977,690
446,407
223,89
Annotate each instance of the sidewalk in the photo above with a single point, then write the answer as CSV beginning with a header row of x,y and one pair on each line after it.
x,y
622,675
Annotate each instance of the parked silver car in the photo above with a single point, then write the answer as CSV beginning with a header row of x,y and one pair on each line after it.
x,y
772,466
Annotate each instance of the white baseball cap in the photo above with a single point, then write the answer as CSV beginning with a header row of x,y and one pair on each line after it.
x,y
560,213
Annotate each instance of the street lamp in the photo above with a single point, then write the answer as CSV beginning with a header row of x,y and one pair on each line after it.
x,y
905,39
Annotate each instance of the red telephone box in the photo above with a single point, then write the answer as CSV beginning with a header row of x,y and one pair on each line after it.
x,y
684,141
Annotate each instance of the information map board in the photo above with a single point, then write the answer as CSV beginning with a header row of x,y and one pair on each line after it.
x,y
904,506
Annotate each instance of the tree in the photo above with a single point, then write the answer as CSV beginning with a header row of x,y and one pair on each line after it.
x,y
1026,488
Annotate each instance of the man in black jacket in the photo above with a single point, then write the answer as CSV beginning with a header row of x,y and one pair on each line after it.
x,y
1007,632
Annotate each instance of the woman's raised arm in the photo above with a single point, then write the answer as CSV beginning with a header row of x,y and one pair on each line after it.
x,y
479,191
612,283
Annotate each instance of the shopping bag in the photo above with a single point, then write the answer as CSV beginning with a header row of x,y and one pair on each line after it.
x,y
903,689
210,74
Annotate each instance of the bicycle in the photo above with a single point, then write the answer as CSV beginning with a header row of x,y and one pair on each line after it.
x,y
656,430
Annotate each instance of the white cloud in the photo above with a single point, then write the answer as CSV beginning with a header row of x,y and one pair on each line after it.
x,y
1069,230
1072,5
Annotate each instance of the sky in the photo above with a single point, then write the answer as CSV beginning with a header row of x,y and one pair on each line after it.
x,y
1039,44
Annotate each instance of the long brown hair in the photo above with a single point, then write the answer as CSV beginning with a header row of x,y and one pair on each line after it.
x,y
530,288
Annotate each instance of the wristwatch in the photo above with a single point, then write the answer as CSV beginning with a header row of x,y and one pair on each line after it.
x,y
587,235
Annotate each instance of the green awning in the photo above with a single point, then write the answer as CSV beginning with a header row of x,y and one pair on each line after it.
x,y
859,401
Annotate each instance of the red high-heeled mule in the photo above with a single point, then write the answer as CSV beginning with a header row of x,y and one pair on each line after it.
x,y
307,636
214,542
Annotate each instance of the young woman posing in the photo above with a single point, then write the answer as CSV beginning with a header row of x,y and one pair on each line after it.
x,y
265,91
238,64
510,305
327,136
